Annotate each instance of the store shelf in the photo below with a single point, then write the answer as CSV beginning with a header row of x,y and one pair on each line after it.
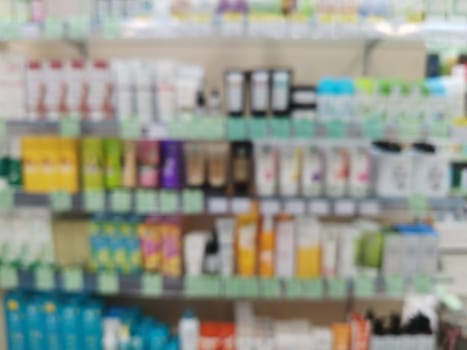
x,y
193,202
78,29
218,128
152,285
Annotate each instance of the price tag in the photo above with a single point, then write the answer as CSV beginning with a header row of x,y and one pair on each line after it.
x,y
304,128
280,128
313,289
130,128
94,201
73,279
177,129
208,128
217,205
345,207
336,129
11,30
249,287
409,127
295,206
146,202
320,207
202,286
373,128
364,287
293,288
53,28
112,27
270,206
60,201
151,284
7,199
44,278
232,287
270,288
370,208
169,202
258,128
241,205
395,286
193,202
79,28
423,284
121,201
107,283
418,204
8,277
337,288
440,128
236,129
70,127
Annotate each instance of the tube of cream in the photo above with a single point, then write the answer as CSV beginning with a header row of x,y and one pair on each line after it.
x,y
266,169
285,247
260,88
281,82
189,80
165,89
195,164
313,171
290,165
337,171
359,178
246,245
225,229
235,82
193,250
308,247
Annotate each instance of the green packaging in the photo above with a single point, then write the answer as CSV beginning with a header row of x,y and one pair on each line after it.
x,y
113,150
92,156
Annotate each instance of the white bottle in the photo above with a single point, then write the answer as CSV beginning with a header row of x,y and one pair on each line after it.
x,y
188,330
111,330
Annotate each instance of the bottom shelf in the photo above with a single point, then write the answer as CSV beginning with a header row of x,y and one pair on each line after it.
x,y
76,280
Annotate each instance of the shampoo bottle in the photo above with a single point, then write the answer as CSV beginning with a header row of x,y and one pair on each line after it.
x,y
188,330
266,248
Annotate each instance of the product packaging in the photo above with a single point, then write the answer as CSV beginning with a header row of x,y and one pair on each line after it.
x,y
151,237
129,175
290,169
308,247
225,228
267,248
260,92
35,90
188,85
303,103
99,94
285,247
329,251
246,231
148,163
92,163
313,175
76,89
113,163
12,79
211,255
165,89
337,171
360,167
281,86
172,248
241,165
235,91
266,169
171,174
145,105
341,335
125,76
218,167
55,89
193,251
195,164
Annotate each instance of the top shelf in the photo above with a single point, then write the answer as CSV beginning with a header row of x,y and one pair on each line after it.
x,y
431,31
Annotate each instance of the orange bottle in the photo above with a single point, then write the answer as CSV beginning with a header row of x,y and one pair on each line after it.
x,y
266,248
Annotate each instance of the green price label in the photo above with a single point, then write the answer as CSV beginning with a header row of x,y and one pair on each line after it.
x,y
440,128
112,27
44,278
313,288
202,286
180,129
423,284
373,128
409,127
79,28
208,128
130,128
53,28
293,288
337,288
146,202
395,286
336,129
73,279
8,277
121,201
151,284
258,128
418,204
193,202
304,129
236,129
94,201
280,128
270,288
60,201
232,287
11,30
249,287
70,127
108,283
7,199
364,287
169,202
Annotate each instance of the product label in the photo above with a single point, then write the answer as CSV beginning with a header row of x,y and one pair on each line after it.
x,y
235,93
